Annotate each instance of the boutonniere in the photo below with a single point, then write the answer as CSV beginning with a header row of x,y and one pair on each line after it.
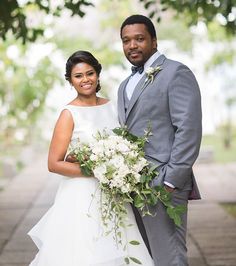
x,y
151,73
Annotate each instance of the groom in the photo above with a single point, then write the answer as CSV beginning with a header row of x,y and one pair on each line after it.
x,y
168,98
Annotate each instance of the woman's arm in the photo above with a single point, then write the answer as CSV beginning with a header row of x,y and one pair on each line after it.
x,y
59,145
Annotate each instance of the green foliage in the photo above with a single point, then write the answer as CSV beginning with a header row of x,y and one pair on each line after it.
x,y
230,208
18,20
115,12
142,194
140,141
175,213
15,18
134,242
71,44
194,11
146,195
82,156
217,143
170,30
216,32
135,260
225,53
105,54
23,90
221,57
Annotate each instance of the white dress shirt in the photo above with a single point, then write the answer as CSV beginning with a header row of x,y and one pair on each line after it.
x,y
134,79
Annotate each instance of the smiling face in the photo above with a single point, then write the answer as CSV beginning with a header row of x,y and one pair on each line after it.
x,y
138,45
84,79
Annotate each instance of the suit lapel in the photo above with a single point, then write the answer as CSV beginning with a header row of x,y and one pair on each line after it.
x,y
137,91
142,85
121,104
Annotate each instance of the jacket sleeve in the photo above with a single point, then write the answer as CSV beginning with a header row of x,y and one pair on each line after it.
x,y
185,111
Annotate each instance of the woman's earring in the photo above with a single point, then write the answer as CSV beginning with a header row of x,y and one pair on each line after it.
x,y
98,88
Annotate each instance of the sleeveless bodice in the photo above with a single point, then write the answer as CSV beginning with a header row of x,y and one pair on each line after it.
x,y
90,119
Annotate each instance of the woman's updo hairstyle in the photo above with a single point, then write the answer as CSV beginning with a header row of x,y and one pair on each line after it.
x,y
83,57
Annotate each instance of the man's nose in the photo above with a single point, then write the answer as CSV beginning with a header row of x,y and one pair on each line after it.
x,y
133,44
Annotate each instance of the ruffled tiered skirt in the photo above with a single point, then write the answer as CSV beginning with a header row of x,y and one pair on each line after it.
x,y
71,232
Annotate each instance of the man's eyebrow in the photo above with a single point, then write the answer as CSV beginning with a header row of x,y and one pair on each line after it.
x,y
136,35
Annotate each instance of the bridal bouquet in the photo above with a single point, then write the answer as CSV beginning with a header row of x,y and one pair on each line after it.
x,y
117,161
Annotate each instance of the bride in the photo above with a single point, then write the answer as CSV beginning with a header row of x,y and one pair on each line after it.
x,y
70,233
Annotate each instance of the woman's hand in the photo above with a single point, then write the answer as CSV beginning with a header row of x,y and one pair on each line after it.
x,y
71,158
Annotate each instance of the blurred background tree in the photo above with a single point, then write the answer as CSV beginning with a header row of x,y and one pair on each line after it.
x,y
15,15
222,12
25,81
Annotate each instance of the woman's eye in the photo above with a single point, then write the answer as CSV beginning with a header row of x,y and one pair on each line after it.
x,y
90,73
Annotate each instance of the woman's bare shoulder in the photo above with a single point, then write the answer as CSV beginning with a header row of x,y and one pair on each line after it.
x,y
102,100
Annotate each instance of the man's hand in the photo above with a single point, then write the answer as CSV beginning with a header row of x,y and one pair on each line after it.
x,y
169,189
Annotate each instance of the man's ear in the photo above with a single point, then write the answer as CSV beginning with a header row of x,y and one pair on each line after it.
x,y
154,43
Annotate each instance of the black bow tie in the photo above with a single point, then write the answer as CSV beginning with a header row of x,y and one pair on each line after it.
x,y
135,69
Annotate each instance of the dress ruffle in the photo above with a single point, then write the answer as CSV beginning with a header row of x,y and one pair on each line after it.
x,y
71,232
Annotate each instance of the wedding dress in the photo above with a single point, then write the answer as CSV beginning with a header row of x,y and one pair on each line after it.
x,y
71,232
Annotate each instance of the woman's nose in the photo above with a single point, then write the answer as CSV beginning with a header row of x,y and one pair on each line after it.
x,y
85,78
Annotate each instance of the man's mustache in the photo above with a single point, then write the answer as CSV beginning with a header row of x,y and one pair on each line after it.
x,y
134,51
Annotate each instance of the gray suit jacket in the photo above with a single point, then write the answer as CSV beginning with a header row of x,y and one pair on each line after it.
x,y
172,105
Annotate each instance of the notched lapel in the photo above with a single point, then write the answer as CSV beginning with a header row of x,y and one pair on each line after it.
x,y
137,91
121,104
142,84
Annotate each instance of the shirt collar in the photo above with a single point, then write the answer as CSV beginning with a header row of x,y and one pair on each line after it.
x,y
151,60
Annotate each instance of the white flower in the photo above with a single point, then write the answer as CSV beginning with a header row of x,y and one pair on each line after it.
x,y
123,170
133,154
137,177
116,182
123,147
117,161
126,188
151,72
99,172
98,149
94,157
141,163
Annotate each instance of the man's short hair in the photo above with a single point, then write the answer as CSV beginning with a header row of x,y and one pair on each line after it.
x,y
139,19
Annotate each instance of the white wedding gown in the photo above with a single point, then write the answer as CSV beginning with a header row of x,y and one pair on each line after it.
x,y
70,233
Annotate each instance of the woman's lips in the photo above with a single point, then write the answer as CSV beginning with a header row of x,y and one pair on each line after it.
x,y
86,86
